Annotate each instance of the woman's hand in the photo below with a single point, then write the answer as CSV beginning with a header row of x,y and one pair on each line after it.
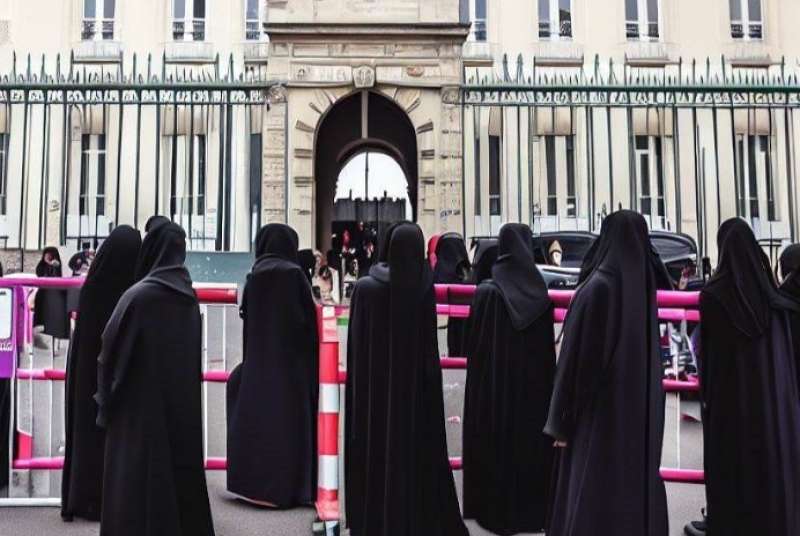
x,y
560,444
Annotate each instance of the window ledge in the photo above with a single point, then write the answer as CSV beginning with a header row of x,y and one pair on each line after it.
x,y
255,51
649,53
752,53
189,52
561,53
97,51
480,53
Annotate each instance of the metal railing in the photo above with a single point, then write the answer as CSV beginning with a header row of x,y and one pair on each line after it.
x,y
17,355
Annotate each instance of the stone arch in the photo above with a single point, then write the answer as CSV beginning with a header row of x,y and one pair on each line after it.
x,y
351,123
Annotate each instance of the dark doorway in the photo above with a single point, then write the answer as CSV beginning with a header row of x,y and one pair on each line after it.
x,y
363,121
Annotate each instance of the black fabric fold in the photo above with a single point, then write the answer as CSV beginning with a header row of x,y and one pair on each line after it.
x,y
515,273
399,481
110,275
149,400
272,396
608,403
749,389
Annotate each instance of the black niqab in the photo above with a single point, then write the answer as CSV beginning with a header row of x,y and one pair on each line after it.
x,y
399,481
307,261
272,396
790,260
484,260
277,240
162,257
452,268
743,284
749,389
149,400
110,275
50,304
452,260
608,403
509,342
515,273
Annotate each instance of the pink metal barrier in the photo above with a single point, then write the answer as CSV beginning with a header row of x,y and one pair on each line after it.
x,y
674,306
18,344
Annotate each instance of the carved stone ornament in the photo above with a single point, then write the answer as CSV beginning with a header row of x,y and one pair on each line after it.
x,y
415,71
364,77
276,94
451,95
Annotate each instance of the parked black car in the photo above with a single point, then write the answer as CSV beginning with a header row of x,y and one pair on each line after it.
x,y
559,256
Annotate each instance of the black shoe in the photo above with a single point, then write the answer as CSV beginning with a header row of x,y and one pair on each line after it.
x,y
695,528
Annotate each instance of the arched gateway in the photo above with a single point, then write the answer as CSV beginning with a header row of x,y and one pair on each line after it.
x,y
364,120
388,87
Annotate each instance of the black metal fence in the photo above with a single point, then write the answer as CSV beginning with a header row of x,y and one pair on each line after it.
x,y
686,144
85,147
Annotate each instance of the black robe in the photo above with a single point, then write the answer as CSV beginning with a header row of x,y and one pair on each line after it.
x,y
452,268
272,396
149,397
50,304
751,416
608,403
109,277
398,478
510,345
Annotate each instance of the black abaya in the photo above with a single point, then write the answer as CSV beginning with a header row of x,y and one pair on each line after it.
x,y
510,345
751,418
608,403
272,396
398,481
452,268
149,386
50,304
110,275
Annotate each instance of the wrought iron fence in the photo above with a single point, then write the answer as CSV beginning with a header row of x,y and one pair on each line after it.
x,y
688,144
84,147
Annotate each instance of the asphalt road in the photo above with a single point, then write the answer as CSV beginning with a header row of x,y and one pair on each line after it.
x,y
233,518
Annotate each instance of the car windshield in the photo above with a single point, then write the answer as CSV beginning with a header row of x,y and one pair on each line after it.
x,y
573,249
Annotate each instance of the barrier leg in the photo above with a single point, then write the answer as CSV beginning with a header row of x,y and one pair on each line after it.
x,y
328,424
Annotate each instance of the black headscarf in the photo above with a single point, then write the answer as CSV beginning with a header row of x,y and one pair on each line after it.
x,y
663,280
277,240
485,257
386,237
410,274
45,269
521,285
790,261
152,221
307,261
161,259
113,266
743,283
452,259
110,275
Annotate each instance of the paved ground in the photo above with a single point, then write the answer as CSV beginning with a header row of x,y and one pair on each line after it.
x,y
232,518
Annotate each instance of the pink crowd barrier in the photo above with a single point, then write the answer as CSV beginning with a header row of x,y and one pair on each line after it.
x,y
207,294
462,294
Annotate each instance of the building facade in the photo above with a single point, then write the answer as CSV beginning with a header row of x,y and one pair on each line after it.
x,y
228,115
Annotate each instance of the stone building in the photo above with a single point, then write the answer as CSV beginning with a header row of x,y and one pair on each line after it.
x,y
228,115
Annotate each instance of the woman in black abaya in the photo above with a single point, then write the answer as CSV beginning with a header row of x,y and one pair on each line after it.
x,y
110,275
149,387
509,340
751,418
398,481
607,409
272,396
50,305
452,268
